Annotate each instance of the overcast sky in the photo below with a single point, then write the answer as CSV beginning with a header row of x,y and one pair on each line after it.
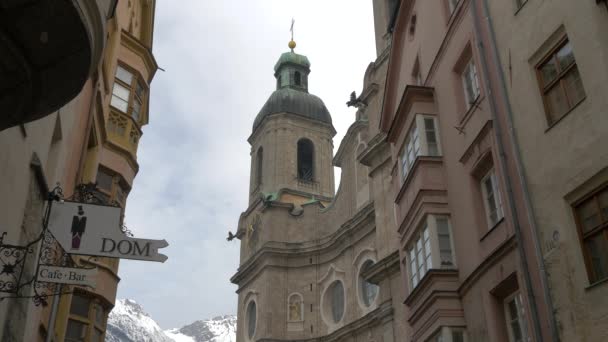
x,y
194,156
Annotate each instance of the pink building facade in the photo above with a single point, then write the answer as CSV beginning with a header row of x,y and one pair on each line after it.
x,y
467,250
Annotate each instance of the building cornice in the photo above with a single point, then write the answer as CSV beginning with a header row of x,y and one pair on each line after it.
x,y
363,219
348,140
132,43
382,269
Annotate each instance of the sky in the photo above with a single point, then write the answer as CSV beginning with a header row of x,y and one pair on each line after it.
x,y
193,181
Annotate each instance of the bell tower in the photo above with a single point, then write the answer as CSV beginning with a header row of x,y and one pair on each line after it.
x,y
291,141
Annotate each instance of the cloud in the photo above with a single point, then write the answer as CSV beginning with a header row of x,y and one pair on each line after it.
x,y
194,157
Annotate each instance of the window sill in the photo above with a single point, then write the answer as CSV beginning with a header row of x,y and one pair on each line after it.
x,y
469,112
596,284
492,229
565,114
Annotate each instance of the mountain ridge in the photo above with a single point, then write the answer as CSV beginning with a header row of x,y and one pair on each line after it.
x,y
128,322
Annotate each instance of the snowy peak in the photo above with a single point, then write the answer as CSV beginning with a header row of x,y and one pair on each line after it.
x,y
128,322
217,329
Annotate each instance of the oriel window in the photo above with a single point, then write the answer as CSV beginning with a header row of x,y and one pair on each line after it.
x,y
128,93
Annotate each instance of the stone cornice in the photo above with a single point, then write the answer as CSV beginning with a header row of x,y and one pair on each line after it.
x,y
383,269
411,94
132,43
501,251
376,153
364,218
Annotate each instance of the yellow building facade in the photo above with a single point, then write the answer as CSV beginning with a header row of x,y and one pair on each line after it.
x,y
93,139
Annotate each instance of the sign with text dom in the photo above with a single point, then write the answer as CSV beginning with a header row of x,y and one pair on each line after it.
x,y
90,229
67,275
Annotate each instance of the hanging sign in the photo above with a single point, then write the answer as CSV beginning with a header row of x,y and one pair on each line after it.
x,y
90,229
67,275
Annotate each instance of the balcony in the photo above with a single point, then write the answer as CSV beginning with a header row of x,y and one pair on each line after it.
x,y
123,131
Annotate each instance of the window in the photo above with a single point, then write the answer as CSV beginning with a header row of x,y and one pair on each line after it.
x,y
336,290
415,145
112,186
86,321
278,81
516,318
470,83
449,334
420,257
560,82
592,219
491,198
251,319
260,166
305,160
297,78
368,290
128,93
431,248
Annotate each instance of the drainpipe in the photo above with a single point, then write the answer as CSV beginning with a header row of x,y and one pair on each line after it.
x,y
502,161
521,176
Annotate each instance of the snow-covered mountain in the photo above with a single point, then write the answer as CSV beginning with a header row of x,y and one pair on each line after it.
x,y
128,322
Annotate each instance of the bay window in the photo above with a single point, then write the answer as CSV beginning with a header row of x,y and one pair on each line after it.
x,y
416,144
128,93
430,248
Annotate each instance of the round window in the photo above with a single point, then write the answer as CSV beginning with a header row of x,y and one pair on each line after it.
x,y
251,319
369,291
336,290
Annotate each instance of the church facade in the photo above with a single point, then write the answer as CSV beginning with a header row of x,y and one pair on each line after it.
x,y
316,262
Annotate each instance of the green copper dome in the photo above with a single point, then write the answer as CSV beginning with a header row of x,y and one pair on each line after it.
x,y
294,101
291,96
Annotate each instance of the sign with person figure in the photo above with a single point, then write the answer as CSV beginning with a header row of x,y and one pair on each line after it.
x,y
91,229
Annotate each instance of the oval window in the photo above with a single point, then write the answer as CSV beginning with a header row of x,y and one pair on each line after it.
x,y
337,301
251,319
369,291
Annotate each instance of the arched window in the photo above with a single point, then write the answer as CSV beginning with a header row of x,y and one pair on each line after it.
x,y
297,78
305,160
259,167
279,82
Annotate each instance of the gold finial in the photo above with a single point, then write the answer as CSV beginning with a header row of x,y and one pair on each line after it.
x,y
292,43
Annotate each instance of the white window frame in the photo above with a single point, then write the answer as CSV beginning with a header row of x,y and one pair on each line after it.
x,y
417,144
496,198
521,317
424,252
470,83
